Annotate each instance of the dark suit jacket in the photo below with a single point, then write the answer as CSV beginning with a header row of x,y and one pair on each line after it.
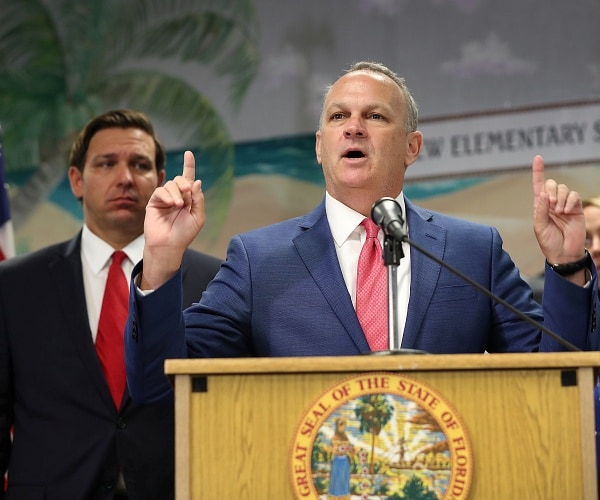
x,y
68,437
281,293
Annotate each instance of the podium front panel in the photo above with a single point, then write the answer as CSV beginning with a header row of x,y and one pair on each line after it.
x,y
530,430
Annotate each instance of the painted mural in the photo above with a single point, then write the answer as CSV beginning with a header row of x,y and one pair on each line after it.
x,y
240,82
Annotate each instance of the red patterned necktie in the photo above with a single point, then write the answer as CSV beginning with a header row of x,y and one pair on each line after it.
x,y
109,341
372,290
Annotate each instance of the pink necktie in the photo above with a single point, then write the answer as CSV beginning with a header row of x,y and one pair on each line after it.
x,y
109,341
371,290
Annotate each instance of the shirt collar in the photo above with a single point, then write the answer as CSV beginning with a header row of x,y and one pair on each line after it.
x,y
343,221
97,252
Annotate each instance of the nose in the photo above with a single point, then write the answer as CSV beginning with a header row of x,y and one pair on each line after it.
x,y
355,128
123,173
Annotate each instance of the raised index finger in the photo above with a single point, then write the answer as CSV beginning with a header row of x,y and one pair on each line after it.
x,y
537,171
189,166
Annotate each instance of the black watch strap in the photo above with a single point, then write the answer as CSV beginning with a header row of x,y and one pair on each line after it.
x,y
571,267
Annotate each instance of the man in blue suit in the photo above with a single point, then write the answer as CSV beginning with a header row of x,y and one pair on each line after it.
x,y
289,289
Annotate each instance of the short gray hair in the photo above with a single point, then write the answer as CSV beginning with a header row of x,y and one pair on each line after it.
x,y
412,111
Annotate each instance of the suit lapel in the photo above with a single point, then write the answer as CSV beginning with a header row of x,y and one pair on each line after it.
x,y
316,248
66,273
424,271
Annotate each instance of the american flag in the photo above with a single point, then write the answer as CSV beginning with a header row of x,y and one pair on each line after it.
x,y
7,240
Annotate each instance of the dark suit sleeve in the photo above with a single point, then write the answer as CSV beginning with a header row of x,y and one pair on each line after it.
x,y
155,328
198,270
154,332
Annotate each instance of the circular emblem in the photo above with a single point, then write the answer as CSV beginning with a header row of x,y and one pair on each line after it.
x,y
381,436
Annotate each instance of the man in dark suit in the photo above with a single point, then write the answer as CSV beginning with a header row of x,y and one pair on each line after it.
x,y
290,289
70,440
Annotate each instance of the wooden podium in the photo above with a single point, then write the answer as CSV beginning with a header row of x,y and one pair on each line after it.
x,y
529,419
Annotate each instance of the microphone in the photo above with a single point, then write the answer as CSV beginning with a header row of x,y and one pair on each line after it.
x,y
387,214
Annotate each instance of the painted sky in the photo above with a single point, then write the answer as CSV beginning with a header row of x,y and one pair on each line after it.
x,y
458,56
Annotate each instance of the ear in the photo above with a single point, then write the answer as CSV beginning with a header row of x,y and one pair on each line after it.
x,y
414,141
161,177
76,181
318,146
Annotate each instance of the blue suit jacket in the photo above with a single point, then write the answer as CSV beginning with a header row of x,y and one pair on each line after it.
x,y
281,293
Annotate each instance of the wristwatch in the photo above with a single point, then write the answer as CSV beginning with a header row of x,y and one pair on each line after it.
x,y
570,267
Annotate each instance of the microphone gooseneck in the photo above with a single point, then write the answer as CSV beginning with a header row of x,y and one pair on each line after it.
x,y
387,214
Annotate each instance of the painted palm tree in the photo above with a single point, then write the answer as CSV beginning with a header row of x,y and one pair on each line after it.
x,y
373,412
63,61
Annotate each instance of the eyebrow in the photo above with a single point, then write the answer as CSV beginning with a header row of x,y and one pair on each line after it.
x,y
110,156
374,106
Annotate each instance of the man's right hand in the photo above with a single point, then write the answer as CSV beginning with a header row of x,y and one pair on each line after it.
x,y
174,217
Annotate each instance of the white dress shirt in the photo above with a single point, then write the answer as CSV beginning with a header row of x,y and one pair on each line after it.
x,y
349,237
95,260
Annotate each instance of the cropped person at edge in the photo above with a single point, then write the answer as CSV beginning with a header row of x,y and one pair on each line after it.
x,y
71,441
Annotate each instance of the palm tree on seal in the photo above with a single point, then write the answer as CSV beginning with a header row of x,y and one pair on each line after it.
x,y
64,61
373,411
